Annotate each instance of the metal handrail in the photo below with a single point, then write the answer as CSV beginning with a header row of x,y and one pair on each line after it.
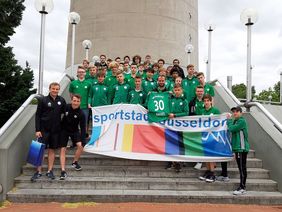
x,y
275,122
234,98
23,106
17,113
261,101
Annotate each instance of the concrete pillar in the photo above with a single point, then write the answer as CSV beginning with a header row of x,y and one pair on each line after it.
x,y
229,83
160,28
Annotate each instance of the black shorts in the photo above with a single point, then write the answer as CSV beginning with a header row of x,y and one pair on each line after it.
x,y
51,140
75,138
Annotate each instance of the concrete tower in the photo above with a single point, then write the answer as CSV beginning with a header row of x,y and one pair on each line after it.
x,y
160,28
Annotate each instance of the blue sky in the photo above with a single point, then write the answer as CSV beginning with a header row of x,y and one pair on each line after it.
x,y
228,43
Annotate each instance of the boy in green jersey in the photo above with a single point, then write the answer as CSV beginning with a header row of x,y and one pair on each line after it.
x,y
141,71
85,64
209,110
207,87
111,78
137,96
120,90
81,87
148,84
190,83
99,93
237,125
178,107
92,74
130,78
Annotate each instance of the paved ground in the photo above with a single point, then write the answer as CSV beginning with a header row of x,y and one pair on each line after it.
x,y
135,207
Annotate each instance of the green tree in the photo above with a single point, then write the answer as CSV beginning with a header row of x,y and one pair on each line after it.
x,y
239,90
15,82
273,92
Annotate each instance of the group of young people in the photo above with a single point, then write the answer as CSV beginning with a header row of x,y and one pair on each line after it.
x,y
165,91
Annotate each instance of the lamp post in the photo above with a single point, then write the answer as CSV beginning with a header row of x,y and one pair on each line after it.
x,y
87,44
44,7
189,48
209,28
249,17
229,83
74,19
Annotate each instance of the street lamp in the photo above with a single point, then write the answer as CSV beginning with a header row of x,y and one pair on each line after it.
x,y
86,45
44,7
189,48
209,27
249,17
74,19
95,59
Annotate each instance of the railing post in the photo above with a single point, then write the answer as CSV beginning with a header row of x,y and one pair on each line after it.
x,y
229,83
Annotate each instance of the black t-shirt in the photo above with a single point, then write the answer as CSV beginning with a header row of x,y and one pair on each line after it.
x,y
74,118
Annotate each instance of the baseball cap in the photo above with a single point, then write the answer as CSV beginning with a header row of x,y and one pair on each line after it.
x,y
237,108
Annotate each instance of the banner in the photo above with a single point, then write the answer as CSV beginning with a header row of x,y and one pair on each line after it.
x,y
123,131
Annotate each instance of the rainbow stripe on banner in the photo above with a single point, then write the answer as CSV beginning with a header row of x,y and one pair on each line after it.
x,y
168,142
124,131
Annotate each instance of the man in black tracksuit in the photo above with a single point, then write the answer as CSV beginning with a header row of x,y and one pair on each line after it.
x,y
73,126
48,126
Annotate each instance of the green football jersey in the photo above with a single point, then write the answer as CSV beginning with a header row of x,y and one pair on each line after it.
x,y
158,104
199,107
211,111
137,97
179,106
209,89
148,86
120,93
92,79
189,86
98,95
82,88
110,81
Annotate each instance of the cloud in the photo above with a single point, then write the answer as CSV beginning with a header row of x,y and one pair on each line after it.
x,y
228,40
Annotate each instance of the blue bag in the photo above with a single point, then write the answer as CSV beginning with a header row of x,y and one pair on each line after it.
x,y
35,154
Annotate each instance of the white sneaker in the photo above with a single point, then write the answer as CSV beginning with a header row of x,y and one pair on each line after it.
x,y
222,179
198,166
239,191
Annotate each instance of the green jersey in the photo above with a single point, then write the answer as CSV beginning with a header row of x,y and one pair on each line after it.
x,y
92,79
131,81
137,97
239,139
209,89
110,81
82,88
148,85
211,111
158,104
98,95
189,86
199,107
179,106
120,93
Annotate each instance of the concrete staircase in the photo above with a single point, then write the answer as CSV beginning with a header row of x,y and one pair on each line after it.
x,y
106,179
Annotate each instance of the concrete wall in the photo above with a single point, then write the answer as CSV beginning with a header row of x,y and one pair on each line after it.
x,y
15,142
160,28
264,138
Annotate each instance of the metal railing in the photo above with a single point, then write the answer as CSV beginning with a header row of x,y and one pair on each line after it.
x,y
23,106
248,105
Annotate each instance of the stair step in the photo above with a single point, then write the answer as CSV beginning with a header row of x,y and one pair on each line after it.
x,y
71,151
93,160
74,195
144,171
143,183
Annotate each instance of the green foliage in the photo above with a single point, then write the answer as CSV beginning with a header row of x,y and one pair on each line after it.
x,y
239,90
273,92
15,82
